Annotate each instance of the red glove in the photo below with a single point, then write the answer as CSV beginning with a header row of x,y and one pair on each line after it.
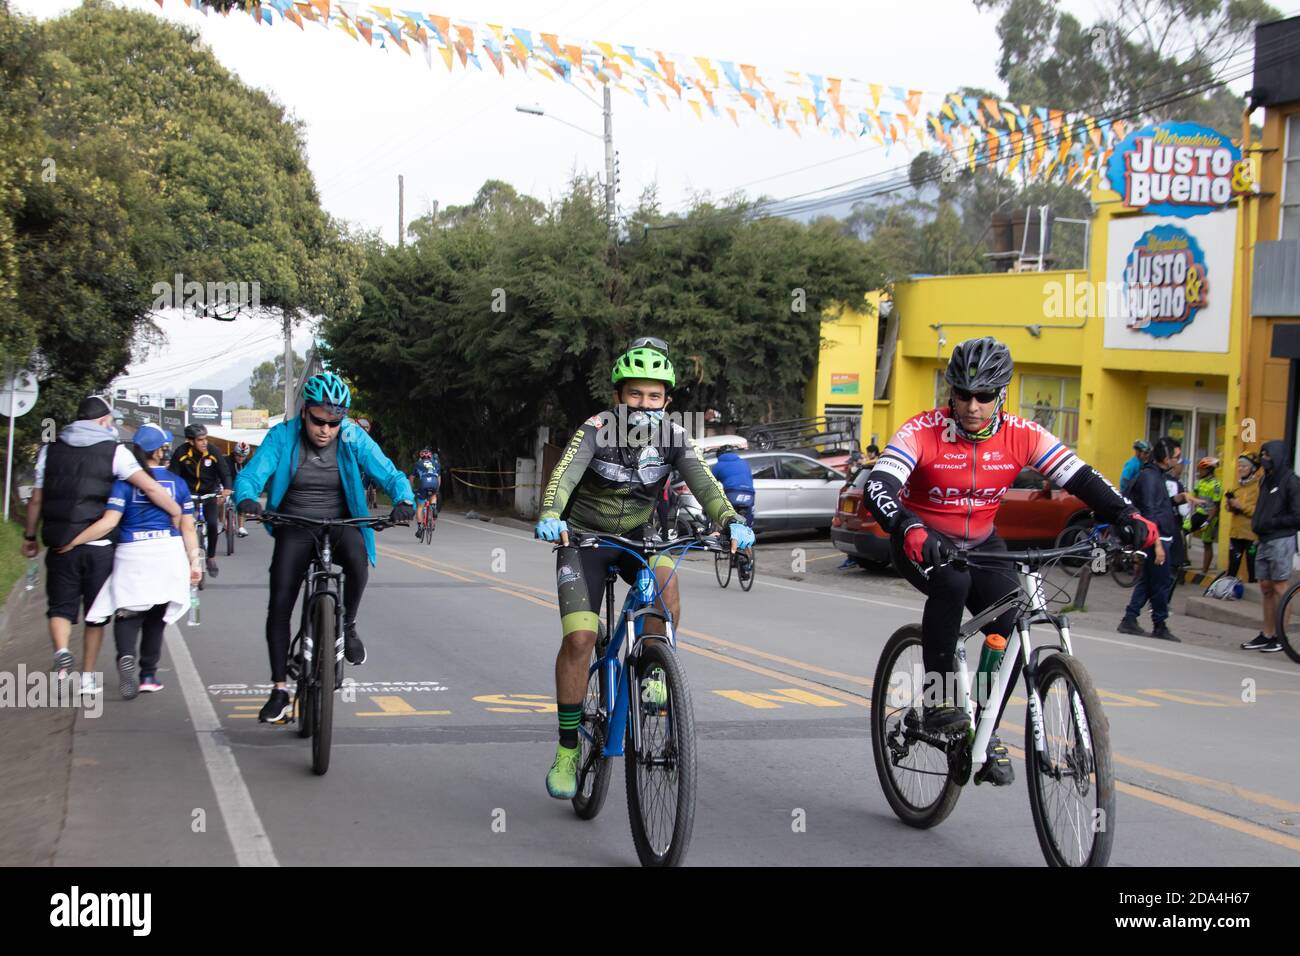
x,y
923,547
914,543
1137,530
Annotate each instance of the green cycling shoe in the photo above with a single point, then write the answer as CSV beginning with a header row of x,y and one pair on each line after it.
x,y
562,778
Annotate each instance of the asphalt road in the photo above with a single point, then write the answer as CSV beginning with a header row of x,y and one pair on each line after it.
x,y
440,754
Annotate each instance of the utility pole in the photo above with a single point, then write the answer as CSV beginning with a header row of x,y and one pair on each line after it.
x,y
401,211
288,365
610,174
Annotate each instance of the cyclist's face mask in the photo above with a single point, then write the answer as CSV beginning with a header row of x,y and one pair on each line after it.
x,y
966,398
638,427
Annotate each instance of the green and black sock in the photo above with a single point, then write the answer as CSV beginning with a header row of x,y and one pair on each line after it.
x,y
570,718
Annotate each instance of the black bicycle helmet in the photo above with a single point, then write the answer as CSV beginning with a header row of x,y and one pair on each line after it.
x,y
195,431
979,365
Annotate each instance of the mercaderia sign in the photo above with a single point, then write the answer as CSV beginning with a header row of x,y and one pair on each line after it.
x,y
1165,281
1178,169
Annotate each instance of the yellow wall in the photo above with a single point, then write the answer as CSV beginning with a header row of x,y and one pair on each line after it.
x,y
848,346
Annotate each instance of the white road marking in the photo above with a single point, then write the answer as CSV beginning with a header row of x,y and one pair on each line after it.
x,y
248,838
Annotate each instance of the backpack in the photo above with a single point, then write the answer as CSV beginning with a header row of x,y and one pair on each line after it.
x,y
1226,588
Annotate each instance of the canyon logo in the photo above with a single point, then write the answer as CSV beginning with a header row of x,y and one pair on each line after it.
x,y
1165,282
1178,169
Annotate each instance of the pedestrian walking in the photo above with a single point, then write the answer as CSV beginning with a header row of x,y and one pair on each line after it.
x,y
153,569
74,477
1275,522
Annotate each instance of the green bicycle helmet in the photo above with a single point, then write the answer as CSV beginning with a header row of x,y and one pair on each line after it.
x,y
644,363
327,389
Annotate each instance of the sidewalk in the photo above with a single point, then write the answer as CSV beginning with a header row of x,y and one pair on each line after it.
x,y
36,747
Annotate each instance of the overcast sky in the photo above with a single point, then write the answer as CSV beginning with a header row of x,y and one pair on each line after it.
x,y
371,115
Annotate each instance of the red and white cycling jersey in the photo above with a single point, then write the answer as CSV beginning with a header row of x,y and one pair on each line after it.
x,y
955,486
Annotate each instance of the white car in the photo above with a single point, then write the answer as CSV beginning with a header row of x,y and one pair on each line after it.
x,y
791,490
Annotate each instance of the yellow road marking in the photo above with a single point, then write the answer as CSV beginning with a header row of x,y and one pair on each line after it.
x,y
768,672
519,703
1112,699
1180,698
405,560
241,716
398,707
528,597
823,557
777,698
813,668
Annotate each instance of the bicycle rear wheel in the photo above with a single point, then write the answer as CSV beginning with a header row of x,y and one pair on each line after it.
x,y
1288,623
593,781
661,777
912,771
322,693
1068,537
747,579
721,560
1071,784
1125,569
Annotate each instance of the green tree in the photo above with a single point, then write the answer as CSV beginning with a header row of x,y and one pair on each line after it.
x,y
266,384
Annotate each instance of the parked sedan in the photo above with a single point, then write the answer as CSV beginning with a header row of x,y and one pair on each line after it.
x,y
1033,513
791,490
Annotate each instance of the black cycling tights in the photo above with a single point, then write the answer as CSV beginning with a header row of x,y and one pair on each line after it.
x,y
948,591
211,512
294,550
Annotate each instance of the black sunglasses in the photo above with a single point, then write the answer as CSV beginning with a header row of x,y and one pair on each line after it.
x,y
649,341
966,396
324,422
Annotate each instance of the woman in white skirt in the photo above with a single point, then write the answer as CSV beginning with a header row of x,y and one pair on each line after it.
x,y
154,565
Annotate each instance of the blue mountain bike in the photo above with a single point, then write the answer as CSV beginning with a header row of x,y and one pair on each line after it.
x,y
638,706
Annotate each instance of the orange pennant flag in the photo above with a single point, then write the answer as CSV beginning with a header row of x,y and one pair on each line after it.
x,y
293,16
1017,138
749,98
663,99
323,6
444,27
913,101
708,97
466,35
734,118
751,77
993,148
794,126
669,70
366,30
839,109
574,54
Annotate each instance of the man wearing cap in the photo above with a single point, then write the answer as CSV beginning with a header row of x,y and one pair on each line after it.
x,y
1141,452
74,476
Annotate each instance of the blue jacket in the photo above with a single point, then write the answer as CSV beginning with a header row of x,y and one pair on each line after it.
x,y
733,472
358,454
1131,469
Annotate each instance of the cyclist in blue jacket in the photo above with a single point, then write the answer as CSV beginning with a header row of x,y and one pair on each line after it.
x,y
315,463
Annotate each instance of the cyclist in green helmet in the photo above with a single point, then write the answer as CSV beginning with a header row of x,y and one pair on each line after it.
x,y
608,481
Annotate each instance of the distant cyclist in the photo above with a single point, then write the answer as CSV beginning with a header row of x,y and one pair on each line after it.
x,y
426,479
239,456
315,475
204,471
607,482
938,484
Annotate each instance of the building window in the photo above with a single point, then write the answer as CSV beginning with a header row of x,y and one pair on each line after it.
x,y
1290,226
1053,402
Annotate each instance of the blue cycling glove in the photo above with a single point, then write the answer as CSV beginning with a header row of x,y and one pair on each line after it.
x,y
550,529
742,534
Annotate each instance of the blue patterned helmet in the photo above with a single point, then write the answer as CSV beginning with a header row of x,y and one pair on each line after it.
x,y
329,390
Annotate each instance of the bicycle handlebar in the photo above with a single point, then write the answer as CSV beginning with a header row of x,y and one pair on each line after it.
x,y
706,542
1036,556
276,517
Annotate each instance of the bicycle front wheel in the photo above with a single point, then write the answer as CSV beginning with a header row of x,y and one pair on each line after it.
x,y
913,771
322,693
1071,782
1288,623
231,524
722,567
593,767
747,577
661,776
1126,568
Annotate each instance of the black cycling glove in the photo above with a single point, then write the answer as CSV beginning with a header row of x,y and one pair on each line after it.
x,y
250,506
403,513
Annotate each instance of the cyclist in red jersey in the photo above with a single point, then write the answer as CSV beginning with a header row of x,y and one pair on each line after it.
x,y
938,485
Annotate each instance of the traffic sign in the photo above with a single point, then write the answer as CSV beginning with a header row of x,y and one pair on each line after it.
x,y
20,392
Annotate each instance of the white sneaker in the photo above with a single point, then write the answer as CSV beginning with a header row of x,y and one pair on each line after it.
x,y
88,684
243,532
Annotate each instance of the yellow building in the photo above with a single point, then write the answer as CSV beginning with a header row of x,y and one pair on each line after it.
x,y
1149,340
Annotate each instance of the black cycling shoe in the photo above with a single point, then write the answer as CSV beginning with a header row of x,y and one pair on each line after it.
x,y
945,719
277,710
353,650
997,768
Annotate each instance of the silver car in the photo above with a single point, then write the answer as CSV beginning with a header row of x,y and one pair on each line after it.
x,y
791,490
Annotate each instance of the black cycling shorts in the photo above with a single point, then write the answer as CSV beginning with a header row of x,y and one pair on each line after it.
x,y
580,580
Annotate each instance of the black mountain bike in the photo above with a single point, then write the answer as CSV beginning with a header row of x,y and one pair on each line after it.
x,y
1288,622
319,672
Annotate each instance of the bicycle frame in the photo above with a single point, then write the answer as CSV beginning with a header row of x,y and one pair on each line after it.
x,y
644,599
1031,606
322,582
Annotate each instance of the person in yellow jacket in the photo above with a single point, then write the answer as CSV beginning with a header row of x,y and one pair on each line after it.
x,y
1240,502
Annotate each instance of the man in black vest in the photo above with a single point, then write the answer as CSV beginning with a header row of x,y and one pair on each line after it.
x,y
74,476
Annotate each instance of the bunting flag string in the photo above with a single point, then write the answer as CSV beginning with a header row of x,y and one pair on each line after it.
x,y
972,131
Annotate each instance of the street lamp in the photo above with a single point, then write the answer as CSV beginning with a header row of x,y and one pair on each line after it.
x,y
534,109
